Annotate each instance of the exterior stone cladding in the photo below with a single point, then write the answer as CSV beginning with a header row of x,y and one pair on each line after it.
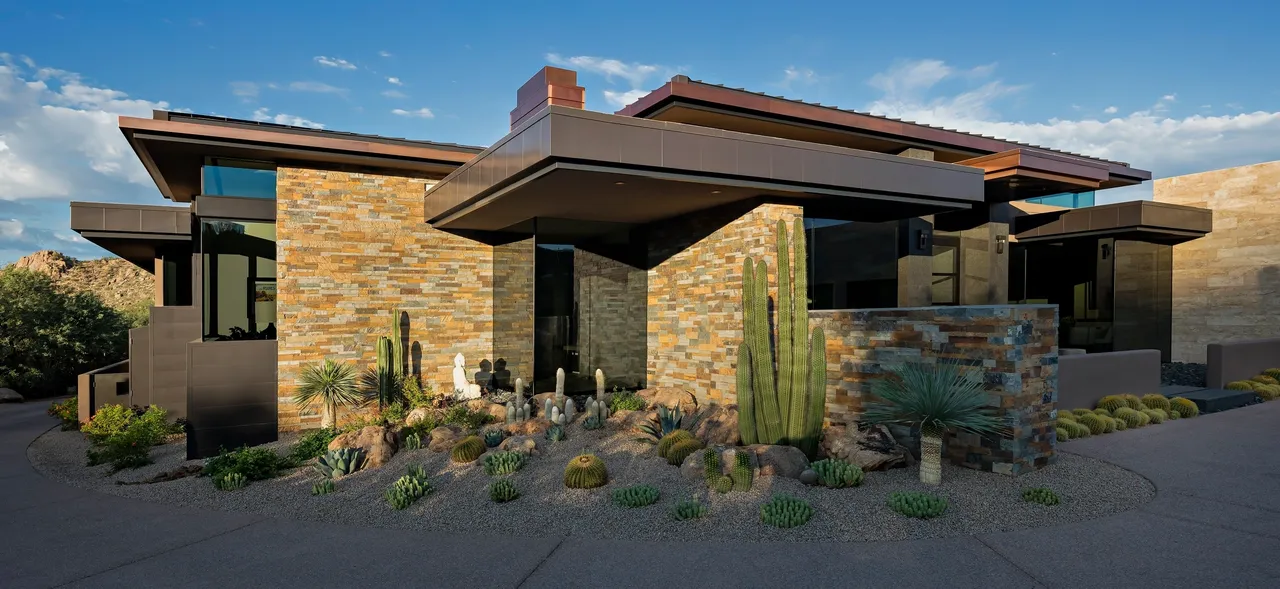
x,y
695,294
1015,346
1226,285
352,249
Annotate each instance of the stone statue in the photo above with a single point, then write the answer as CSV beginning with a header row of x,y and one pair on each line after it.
x,y
461,388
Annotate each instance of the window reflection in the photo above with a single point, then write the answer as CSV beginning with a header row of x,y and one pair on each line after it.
x,y
239,279
224,177
852,265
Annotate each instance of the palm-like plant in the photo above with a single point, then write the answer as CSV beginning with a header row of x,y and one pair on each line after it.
x,y
935,398
332,384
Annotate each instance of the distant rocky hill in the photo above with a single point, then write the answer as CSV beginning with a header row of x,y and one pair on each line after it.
x,y
119,284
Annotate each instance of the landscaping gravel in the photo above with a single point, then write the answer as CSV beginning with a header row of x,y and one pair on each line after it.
x,y
1187,374
979,502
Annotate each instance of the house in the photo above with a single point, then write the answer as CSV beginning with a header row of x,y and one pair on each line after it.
x,y
585,240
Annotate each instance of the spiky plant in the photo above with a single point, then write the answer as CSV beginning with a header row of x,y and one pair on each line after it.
x,y
935,398
671,439
333,385
711,466
504,463
1041,495
1112,402
637,496
1156,401
1240,385
1185,407
682,449
324,487
1063,436
668,420
785,511
918,505
467,449
586,471
690,509
494,437
837,474
502,491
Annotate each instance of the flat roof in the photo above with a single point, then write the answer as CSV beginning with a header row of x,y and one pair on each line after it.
x,y
1142,220
576,164
697,102
132,231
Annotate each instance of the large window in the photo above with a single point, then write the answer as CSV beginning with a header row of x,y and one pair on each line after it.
x,y
239,277
1069,200
852,265
224,177
945,284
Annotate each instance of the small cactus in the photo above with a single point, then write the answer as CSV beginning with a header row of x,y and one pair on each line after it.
x,y
324,487
592,422
671,439
501,463
493,437
409,488
785,511
724,484
637,496
742,471
690,509
1063,436
231,481
1157,416
917,505
1041,495
1185,407
1109,424
554,433
837,474
1121,424
467,449
502,491
711,465
1154,401
586,471
1134,401
1174,415
413,442
682,449
1112,402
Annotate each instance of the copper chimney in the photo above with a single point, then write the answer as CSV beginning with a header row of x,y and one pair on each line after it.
x,y
551,85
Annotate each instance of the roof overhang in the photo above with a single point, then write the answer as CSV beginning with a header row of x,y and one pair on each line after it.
x,y
1019,174
1136,220
574,164
133,232
173,150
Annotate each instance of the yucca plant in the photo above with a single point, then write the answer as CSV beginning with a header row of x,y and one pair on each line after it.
x,y
333,385
935,398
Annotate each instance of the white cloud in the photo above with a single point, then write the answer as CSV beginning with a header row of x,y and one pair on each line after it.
x,y
1149,139
11,228
395,81
245,90
793,74
394,94
264,115
1110,110
422,113
634,74
384,53
622,99
341,64
319,87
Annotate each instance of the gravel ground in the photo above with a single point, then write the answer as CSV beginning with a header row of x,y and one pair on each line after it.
x,y
980,502
1183,373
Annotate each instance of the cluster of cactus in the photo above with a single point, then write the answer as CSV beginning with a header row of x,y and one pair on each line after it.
x,y
554,433
501,463
1265,379
1131,417
231,481
1157,416
502,491
1240,385
1094,422
785,511
518,409
1102,412
637,496
1185,407
1155,401
722,484
598,408
593,422
559,409
1265,385
1041,495
1121,424
388,372
324,487
413,441
741,473
585,471
1068,422
1112,402
786,406
467,449
837,474
408,488
340,462
669,440
1078,413
1174,415
690,509
918,505
493,437
1062,433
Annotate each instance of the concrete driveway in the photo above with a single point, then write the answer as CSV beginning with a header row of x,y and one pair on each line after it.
x,y
1215,522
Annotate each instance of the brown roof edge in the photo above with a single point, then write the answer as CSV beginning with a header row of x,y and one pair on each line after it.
x,y
682,86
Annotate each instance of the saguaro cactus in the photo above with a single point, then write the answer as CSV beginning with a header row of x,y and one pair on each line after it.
x,y
785,406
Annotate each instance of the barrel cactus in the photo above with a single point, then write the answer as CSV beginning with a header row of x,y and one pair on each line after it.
x,y
636,496
1081,412
837,474
1112,402
1134,401
1154,401
742,471
723,484
785,511
1102,412
682,449
1094,423
467,449
1062,434
1273,373
671,439
502,491
1264,379
1131,417
1121,424
1157,416
918,505
340,462
1108,423
586,471
1240,385
501,463
1174,415
1268,392
1184,407
711,465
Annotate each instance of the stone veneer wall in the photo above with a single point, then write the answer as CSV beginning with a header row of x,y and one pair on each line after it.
x,y
1015,345
353,248
695,294
513,311
1226,285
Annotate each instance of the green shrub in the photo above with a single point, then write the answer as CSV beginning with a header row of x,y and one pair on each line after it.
x,y
1095,424
636,496
625,401
396,412
918,505
311,444
463,416
415,394
690,509
255,464
68,412
1154,401
230,481
1112,402
785,511
323,487
586,471
1185,407
837,474
1063,435
123,437
682,449
1041,495
501,463
502,491
1240,385
467,449
108,421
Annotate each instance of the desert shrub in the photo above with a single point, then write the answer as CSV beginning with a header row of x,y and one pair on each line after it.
x,y
1184,407
625,401
918,505
68,412
785,511
108,421
1240,385
256,463
636,496
47,337
312,444
463,416
415,393
1112,402
1063,435
1154,401
232,481
1041,495
395,412
124,438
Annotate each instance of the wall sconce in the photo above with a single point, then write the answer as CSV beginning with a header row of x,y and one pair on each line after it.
x,y
1106,251
922,239
1000,241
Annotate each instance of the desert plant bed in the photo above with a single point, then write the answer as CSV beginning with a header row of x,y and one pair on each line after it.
x,y
460,500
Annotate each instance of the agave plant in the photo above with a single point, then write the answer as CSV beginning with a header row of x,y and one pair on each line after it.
x,y
333,385
669,419
934,398
340,462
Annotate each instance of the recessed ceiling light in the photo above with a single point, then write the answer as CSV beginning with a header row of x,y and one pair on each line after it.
x,y
715,192
619,183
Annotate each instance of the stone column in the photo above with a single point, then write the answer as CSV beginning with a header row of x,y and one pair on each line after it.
x,y
915,262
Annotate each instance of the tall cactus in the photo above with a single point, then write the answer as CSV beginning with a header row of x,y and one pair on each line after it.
x,y
785,406
397,346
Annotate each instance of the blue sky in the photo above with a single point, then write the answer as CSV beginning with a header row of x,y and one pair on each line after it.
x,y
1175,90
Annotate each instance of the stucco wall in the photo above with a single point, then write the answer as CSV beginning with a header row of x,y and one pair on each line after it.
x,y
351,250
1226,285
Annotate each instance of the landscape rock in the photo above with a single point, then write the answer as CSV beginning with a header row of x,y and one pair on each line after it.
x,y
809,477
780,461
630,420
378,442
528,427
499,412
420,415
10,396
528,445
718,424
669,397
444,437
871,448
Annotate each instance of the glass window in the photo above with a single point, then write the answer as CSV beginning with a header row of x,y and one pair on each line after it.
x,y
1067,199
239,279
224,177
852,265
946,270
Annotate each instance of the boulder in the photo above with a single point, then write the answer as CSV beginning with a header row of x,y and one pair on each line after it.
x,y
10,396
499,412
718,424
809,477
871,448
780,461
444,437
669,397
377,441
630,420
528,427
420,415
528,445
